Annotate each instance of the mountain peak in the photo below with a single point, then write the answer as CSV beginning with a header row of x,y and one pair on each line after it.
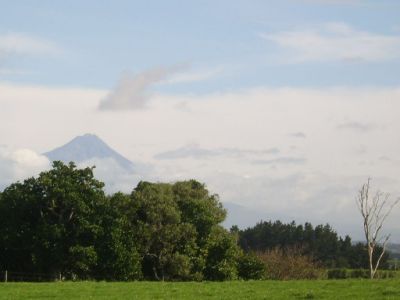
x,y
88,135
87,147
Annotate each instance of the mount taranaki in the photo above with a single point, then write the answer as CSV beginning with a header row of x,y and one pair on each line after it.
x,y
87,147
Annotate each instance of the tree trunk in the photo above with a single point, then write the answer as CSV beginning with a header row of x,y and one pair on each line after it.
x,y
370,256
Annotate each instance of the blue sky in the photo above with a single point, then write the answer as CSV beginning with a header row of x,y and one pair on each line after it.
x,y
283,107
95,41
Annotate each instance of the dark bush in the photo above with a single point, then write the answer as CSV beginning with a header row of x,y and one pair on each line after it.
x,y
251,267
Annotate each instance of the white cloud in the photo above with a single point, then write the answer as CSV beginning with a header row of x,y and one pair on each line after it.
x,y
41,118
23,44
335,42
133,91
19,164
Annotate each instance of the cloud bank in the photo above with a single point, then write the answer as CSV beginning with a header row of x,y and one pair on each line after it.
x,y
314,178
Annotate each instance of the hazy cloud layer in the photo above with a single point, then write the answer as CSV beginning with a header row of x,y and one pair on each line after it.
x,y
280,161
302,197
335,42
195,151
316,180
115,176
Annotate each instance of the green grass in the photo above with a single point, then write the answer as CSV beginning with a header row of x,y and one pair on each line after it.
x,y
312,289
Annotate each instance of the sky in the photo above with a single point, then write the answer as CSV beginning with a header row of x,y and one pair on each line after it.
x,y
282,107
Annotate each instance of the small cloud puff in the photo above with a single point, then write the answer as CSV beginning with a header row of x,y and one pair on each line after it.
x,y
19,164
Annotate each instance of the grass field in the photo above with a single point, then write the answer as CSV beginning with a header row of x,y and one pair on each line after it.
x,y
317,289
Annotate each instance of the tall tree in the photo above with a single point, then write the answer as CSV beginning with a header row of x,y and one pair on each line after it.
x,y
374,210
50,223
165,241
116,245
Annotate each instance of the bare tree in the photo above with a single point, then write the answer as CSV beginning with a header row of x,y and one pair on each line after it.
x,y
374,211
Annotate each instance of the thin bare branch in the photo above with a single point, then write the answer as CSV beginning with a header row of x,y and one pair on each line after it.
x,y
374,212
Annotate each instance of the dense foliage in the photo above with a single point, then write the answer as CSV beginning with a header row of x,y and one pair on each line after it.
x,y
62,223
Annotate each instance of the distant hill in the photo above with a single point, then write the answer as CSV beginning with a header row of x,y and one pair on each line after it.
x,y
87,147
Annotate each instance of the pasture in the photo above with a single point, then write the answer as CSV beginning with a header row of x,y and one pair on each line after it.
x,y
301,289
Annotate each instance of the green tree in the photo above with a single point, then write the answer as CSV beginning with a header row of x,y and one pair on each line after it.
x,y
198,207
117,248
165,241
19,218
62,222
49,224
222,255
204,211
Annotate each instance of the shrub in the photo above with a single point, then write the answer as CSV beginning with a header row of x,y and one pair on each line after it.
x,y
290,263
250,266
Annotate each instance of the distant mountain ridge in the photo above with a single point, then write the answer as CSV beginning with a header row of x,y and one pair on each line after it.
x,y
87,147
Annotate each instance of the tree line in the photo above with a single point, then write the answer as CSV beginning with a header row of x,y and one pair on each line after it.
x,y
62,222
321,243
